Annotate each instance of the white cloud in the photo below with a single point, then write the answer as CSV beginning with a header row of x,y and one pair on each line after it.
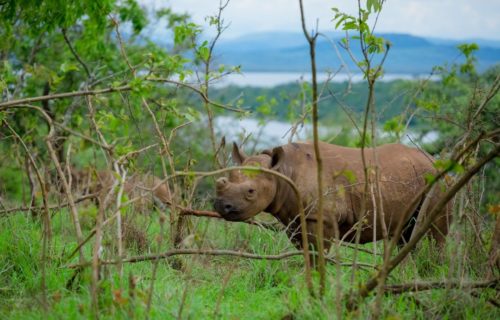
x,y
455,19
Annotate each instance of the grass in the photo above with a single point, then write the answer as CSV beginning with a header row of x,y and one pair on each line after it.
x,y
217,287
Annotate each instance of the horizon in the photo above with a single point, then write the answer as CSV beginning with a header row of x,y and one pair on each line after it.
x,y
456,20
267,32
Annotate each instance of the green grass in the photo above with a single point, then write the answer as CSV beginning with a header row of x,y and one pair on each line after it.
x,y
215,287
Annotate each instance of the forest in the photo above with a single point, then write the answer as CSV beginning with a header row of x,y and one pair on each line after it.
x,y
114,175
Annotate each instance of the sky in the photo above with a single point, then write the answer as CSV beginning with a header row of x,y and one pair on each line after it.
x,y
451,19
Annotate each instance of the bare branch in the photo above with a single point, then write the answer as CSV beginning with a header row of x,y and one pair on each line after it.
x,y
207,252
75,54
319,163
7,104
394,262
423,286
195,89
49,207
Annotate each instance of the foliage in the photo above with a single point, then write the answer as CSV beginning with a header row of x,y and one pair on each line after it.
x,y
459,104
64,46
253,290
283,102
151,120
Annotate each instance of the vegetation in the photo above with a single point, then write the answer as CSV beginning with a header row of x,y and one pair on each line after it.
x,y
85,90
211,287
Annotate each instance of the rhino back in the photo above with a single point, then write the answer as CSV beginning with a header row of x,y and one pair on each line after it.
x,y
401,175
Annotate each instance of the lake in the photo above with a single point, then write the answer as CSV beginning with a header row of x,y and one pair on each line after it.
x,y
273,132
271,79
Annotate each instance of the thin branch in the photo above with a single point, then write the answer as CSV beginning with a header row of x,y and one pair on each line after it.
x,y
423,286
50,207
134,153
311,39
394,262
197,90
122,47
75,54
303,226
47,231
93,231
67,191
7,104
491,93
207,252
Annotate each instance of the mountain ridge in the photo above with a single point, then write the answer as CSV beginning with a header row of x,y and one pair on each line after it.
x,y
288,51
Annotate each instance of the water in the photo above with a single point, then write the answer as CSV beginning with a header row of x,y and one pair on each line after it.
x,y
274,133
271,79
267,134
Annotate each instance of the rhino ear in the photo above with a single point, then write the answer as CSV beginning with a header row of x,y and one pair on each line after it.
x,y
277,158
238,155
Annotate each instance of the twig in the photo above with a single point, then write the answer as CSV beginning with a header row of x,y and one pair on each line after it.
x,y
75,54
162,219
207,252
311,39
392,263
110,219
491,93
122,47
423,286
7,104
47,230
50,207
134,153
48,142
302,215
119,237
206,77
197,90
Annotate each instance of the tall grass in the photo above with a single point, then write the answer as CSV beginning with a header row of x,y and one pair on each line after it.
x,y
217,287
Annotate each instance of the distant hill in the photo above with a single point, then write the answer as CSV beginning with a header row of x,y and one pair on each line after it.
x,y
288,51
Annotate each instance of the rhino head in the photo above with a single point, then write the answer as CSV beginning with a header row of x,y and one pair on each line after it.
x,y
242,195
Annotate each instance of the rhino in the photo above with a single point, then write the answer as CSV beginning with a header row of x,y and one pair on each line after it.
x,y
402,172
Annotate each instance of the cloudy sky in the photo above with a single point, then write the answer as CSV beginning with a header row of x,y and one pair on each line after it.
x,y
454,19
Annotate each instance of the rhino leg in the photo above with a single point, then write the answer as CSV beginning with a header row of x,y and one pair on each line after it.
x,y
439,228
408,229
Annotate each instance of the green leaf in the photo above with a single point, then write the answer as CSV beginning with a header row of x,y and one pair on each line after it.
x,y
394,125
429,177
213,20
374,5
349,175
251,173
467,49
185,31
192,115
448,165
68,66
137,85
427,105
351,25
132,11
204,53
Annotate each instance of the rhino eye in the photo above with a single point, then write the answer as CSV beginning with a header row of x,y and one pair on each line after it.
x,y
251,191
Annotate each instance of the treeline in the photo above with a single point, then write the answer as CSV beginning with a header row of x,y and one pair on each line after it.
x,y
438,104
285,102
